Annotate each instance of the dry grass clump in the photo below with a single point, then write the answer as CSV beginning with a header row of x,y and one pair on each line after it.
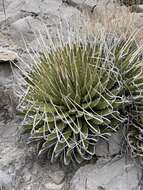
x,y
115,19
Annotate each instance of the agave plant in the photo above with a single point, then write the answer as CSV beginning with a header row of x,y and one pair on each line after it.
x,y
135,128
135,136
130,64
77,94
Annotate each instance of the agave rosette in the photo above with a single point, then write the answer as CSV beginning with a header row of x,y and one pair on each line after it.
x,y
77,94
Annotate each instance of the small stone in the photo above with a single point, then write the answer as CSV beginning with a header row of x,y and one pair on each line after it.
x,y
57,177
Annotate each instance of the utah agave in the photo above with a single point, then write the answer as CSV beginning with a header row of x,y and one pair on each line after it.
x,y
77,94
130,64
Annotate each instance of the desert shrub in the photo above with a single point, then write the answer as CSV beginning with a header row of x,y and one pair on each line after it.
x,y
80,92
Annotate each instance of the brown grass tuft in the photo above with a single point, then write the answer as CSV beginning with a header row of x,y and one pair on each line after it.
x,y
116,19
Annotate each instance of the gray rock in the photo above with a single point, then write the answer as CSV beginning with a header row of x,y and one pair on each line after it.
x,y
52,186
24,28
38,7
19,162
57,176
92,2
137,8
50,6
118,175
7,58
14,7
7,55
101,148
7,104
7,97
29,29
5,181
24,25
115,143
5,73
111,147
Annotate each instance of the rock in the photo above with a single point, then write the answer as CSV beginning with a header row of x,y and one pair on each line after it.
x,y
50,6
69,13
28,175
7,60
29,29
111,147
52,186
14,7
39,7
101,148
24,25
6,42
7,55
24,28
5,73
22,166
137,8
5,181
57,177
117,175
7,97
115,143
91,2
7,104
